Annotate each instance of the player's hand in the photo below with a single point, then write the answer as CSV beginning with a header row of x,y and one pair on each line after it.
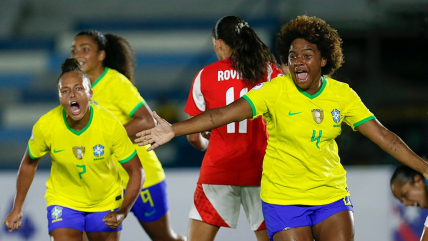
x,y
13,220
156,136
114,219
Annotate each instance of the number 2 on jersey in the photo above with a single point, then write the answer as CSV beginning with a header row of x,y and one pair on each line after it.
x,y
230,97
83,170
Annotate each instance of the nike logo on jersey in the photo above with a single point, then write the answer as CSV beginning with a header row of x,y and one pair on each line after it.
x,y
295,113
56,151
149,214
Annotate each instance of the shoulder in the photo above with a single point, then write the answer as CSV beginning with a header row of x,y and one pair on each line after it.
x,y
49,121
282,81
103,113
337,84
52,116
115,77
219,65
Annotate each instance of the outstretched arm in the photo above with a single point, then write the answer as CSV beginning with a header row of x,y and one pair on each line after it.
x,y
210,119
26,173
393,145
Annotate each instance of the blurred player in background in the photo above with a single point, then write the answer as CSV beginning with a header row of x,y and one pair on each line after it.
x,y
232,166
109,62
84,192
303,190
411,188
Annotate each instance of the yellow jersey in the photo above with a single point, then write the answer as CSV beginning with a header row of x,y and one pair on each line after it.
x,y
116,93
83,176
301,165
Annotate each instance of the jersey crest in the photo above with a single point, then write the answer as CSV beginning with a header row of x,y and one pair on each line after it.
x,y
98,150
79,152
318,115
336,115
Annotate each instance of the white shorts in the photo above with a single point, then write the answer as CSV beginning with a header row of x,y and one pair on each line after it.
x,y
220,205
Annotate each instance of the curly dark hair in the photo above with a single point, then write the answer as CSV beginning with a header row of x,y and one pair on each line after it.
x,y
316,31
119,53
250,55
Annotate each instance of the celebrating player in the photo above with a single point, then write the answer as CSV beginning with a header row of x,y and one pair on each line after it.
x,y
84,192
108,61
303,188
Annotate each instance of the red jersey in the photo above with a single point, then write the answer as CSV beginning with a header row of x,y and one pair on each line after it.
x,y
235,151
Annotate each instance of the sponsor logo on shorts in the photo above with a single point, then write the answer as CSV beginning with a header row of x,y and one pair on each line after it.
x,y
347,201
150,213
56,214
287,228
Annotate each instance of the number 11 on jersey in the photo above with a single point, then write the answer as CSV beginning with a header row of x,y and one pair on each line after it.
x,y
230,97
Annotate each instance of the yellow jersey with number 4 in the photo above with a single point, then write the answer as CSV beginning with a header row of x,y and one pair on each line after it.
x,y
83,176
302,165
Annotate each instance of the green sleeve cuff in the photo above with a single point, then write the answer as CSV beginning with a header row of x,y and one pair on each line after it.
x,y
253,108
363,121
129,158
136,108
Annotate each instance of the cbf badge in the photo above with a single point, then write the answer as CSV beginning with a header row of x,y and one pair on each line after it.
x,y
79,152
336,115
318,115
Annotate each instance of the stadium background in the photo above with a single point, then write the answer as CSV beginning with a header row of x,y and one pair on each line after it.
x,y
385,46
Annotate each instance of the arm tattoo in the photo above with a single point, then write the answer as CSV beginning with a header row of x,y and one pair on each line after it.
x,y
394,145
212,119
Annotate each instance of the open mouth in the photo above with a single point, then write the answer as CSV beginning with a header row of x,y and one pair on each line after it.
x,y
75,107
302,76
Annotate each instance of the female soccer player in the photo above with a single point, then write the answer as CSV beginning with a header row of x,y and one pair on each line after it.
x,y
84,192
411,188
109,62
303,188
232,167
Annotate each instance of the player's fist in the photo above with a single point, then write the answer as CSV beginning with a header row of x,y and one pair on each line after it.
x,y
13,221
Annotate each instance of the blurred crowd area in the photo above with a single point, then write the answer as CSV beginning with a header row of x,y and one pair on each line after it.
x,y
385,43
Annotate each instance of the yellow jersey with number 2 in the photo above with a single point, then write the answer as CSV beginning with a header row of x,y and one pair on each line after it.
x,y
83,176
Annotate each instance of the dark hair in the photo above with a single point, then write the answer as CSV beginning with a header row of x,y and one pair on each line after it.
x,y
316,31
250,55
404,174
119,53
71,65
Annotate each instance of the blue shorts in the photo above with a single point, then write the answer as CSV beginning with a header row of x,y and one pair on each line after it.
x,y
284,217
91,222
152,203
